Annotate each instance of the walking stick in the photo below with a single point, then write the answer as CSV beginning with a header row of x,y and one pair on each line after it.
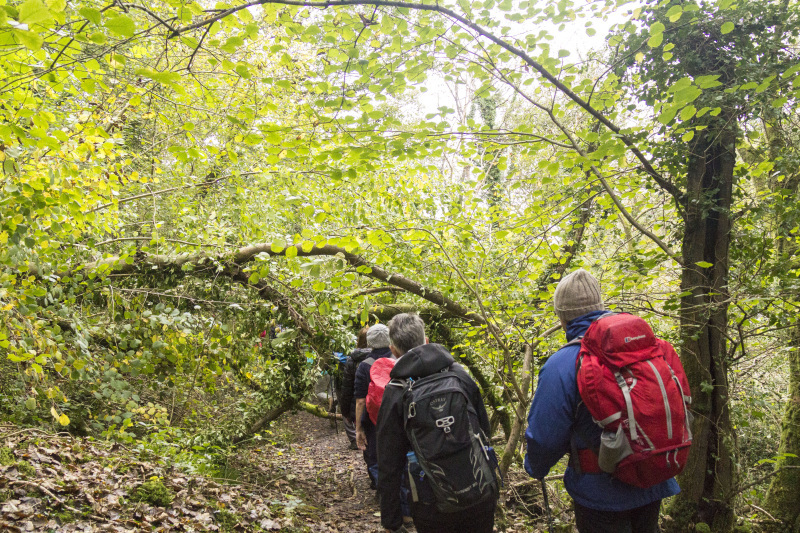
x,y
547,507
333,403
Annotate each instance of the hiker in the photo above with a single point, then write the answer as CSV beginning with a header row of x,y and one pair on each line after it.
x,y
347,401
378,341
459,436
559,422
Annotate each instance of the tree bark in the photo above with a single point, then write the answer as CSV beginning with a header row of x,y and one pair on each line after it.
x,y
708,480
261,423
783,496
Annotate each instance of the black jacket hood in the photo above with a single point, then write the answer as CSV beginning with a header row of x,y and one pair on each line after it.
x,y
422,361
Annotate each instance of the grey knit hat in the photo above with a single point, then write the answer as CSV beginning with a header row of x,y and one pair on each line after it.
x,y
576,295
378,336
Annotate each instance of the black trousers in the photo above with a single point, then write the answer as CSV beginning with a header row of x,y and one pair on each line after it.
x,y
371,453
640,520
476,519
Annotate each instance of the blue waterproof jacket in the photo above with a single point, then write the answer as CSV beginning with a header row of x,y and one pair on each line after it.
x,y
557,415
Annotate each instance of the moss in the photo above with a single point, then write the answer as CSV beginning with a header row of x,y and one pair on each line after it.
x,y
743,528
227,520
64,517
7,456
702,527
153,492
26,469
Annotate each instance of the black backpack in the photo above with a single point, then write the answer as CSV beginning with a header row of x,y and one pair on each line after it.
x,y
451,449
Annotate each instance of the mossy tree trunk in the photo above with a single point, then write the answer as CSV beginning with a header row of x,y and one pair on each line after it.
x,y
783,497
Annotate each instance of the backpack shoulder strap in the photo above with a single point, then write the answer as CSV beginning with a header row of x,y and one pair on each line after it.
x,y
573,342
369,361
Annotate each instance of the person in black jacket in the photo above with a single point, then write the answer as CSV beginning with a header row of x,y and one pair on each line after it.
x,y
417,359
378,340
347,402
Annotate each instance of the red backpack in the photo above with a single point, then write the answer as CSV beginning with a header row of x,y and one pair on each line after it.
x,y
378,379
635,388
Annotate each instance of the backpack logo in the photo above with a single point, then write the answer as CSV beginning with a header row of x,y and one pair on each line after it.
x,y
631,339
438,404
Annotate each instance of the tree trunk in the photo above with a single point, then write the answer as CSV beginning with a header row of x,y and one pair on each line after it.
x,y
520,419
264,421
708,480
783,497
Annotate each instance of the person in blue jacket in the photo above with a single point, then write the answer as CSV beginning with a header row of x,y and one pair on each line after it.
x,y
559,423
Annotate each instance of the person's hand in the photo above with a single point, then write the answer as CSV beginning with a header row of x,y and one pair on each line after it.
x,y
361,439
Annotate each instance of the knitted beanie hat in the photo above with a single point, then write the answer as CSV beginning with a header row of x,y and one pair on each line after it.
x,y
378,336
577,294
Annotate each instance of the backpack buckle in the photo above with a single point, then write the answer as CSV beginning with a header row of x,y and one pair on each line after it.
x,y
445,423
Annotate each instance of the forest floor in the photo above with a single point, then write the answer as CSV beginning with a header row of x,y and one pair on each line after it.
x,y
300,478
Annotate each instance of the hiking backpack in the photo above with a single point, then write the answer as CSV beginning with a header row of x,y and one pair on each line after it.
x,y
635,388
378,379
443,428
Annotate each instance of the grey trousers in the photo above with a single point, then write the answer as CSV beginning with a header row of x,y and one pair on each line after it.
x,y
349,429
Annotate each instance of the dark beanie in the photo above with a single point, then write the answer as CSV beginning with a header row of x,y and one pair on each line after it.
x,y
576,295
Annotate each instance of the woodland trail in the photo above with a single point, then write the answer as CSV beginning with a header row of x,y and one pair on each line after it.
x,y
331,477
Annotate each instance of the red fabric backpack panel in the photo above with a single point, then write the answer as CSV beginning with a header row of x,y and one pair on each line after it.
x,y
628,377
378,379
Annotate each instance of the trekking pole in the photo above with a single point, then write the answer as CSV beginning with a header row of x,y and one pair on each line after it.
x,y
333,403
547,507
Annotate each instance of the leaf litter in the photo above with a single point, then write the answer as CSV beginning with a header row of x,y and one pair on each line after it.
x,y
63,484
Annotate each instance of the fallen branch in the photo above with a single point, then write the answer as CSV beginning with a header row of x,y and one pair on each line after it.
x,y
316,410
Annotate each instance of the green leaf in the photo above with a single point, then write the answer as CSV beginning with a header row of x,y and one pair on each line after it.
x,y
161,77
121,25
277,246
33,12
31,41
704,264
63,420
688,112
674,13
30,403
291,251
656,28
707,82
92,15
656,40
727,27
57,5
688,136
